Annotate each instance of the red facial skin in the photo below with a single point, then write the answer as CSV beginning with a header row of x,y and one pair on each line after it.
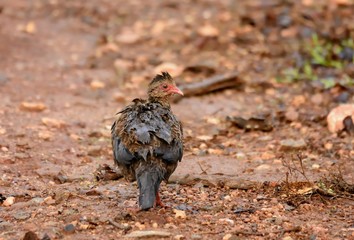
x,y
172,89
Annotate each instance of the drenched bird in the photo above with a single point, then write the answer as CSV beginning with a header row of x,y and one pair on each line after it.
x,y
147,140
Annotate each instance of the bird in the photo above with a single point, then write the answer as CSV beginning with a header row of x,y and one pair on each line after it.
x,y
147,140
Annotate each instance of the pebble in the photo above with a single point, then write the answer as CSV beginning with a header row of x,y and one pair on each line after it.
x,y
94,151
52,122
9,201
315,166
263,167
97,84
5,225
22,215
196,236
45,135
33,106
179,237
291,114
70,228
292,144
180,214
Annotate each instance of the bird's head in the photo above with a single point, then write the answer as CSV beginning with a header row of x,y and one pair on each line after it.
x,y
163,86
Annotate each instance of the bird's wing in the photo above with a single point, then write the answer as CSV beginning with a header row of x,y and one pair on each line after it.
x,y
145,128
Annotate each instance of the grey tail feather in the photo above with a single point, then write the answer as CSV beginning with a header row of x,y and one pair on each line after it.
x,y
149,179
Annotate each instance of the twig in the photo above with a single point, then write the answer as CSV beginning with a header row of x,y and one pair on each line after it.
x,y
123,227
214,83
248,233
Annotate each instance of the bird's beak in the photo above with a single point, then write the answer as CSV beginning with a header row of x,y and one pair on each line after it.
x,y
176,90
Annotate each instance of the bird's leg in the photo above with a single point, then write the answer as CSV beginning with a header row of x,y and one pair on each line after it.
x,y
158,201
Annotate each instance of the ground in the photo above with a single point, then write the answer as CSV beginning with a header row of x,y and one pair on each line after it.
x,y
68,66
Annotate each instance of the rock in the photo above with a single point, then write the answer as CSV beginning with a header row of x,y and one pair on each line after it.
x,y
5,226
70,228
2,131
227,236
119,97
52,122
208,31
148,234
227,220
32,106
127,37
263,167
241,184
337,115
95,84
180,214
9,201
292,144
94,151
287,238
317,99
45,135
315,166
30,236
196,236
179,237
20,215
291,114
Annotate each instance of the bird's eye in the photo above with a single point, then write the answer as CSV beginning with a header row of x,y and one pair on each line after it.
x,y
164,86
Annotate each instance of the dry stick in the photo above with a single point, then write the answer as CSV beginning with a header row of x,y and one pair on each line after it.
x,y
217,82
119,226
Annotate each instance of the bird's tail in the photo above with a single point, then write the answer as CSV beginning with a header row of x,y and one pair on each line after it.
x,y
149,179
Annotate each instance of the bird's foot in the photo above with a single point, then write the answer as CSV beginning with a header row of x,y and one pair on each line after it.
x,y
158,201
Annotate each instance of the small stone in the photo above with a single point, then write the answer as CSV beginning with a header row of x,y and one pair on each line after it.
x,y
45,135
317,99
337,115
2,131
240,155
119,97
315,166
95,84
32,106
52,122
5,226
328,146
291,114
180,214
179,237
9,201
22,215
292,144
94,151
70,228
287,238
263,167
196,236
208,31
227,220
227,236
4,149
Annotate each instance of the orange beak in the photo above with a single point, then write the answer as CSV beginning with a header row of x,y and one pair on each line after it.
x,y
176,90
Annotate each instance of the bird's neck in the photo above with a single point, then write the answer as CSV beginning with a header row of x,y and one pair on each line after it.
x,y
164,101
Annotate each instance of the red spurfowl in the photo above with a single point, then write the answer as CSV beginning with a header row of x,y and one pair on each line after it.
x,y
147,140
